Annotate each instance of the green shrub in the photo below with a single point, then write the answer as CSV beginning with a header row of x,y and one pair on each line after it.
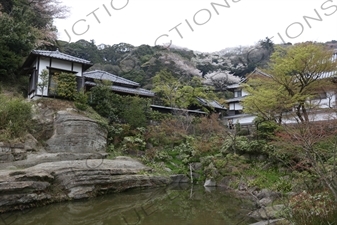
x,y
66,86
81,100
134,110
266,129
313,208
15,117
104,102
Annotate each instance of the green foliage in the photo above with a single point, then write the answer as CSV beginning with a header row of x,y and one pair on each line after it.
x,y
294,77
66,86
313,208
16,41
268,178
266,129
244,145
135,142
181,94
104,101
44,80
81,100
83,49
24,25
15,117
134,111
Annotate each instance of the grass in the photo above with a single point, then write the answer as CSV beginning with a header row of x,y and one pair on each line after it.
x,y
269,179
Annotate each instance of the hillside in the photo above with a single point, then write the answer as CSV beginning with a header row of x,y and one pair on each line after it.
x,y
141,63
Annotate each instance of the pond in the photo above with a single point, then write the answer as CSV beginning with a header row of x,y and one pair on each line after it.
x,y
174,205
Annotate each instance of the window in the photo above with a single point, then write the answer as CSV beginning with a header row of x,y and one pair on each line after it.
x,y
238,93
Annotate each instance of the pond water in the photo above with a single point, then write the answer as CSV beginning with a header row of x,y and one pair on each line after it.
x,y
174,205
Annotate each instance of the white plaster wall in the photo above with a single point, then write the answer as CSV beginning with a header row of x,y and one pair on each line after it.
x,y
235,106
244,93
328,102
314,116
60,64
78,68
244,119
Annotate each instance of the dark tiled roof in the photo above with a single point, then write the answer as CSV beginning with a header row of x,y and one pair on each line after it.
x,y
211,103
59,55
56,55
177,109
103,75
127,90
237,99
331,73
233,86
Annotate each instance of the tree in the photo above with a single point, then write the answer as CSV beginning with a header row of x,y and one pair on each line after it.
x,y
221,79
105,102
166,86
175,93
295,75
267,99
44,79
316,148
25,25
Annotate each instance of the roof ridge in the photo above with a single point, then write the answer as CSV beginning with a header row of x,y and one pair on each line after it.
x,y
113,76
64,55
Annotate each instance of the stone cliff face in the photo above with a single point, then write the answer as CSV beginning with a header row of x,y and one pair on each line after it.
x,y
64,158
76,134
56,131
65,180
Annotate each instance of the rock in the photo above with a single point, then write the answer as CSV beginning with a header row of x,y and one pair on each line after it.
x,y
210,189
11,168
265,213
43,119
19,154
265,193
59,181
242,186
6,157
34,159
226,181
76,134
167,169
210,183
31,144
5,147
265,201
179,178
196,166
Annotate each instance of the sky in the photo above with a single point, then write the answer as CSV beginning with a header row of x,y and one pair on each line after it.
x,y
200,25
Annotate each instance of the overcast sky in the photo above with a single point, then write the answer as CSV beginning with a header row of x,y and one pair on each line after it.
x,y
201,25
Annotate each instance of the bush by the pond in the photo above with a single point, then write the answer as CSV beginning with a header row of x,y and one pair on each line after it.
x,y
15,114
313,208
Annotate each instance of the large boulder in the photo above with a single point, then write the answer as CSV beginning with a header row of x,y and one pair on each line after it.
x,y
65,180
76,134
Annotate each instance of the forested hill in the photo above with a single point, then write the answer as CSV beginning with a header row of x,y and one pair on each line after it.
x,y
141,63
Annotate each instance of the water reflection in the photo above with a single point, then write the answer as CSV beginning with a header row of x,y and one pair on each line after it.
x,y
165,206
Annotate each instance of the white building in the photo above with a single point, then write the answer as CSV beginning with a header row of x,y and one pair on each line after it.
x,y
55,62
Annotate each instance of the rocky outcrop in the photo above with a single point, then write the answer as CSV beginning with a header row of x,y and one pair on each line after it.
x,y
65,180
267,213
76,134
10,152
